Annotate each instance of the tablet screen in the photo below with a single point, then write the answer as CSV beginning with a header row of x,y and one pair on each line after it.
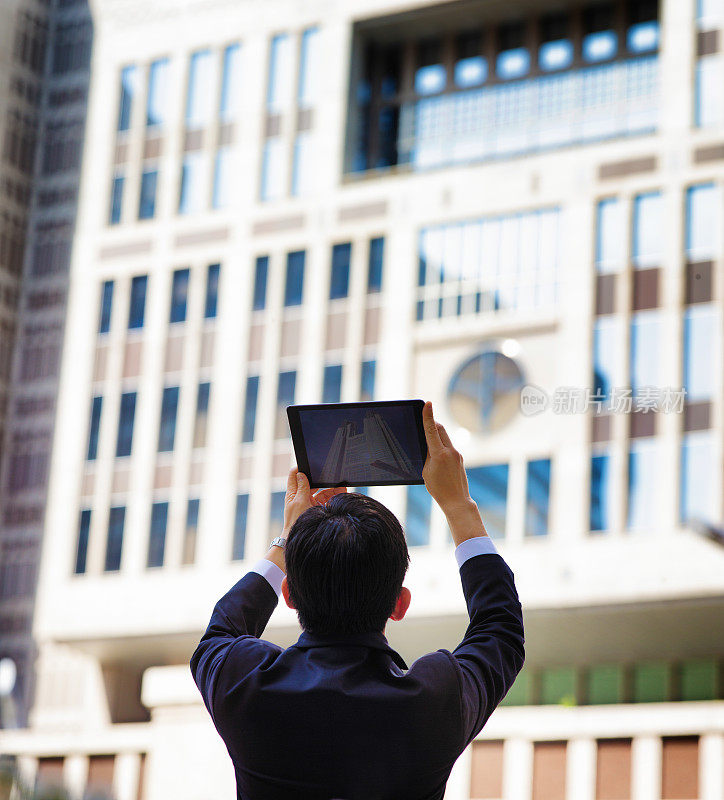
x,y
360,444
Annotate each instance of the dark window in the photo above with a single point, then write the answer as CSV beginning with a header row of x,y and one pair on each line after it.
x,y
252,393
188,554
212,291
147,200
537,497
295,278
167,429
125,424
285,397
125,106
179,295
374,272
332,389
339,283
114,545
106,304
81,552
489,489
367,380
157,537
202,411
260,276
94,428
242,509
138,301
114,216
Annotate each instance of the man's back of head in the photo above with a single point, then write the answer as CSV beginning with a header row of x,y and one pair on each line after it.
x,y
346,561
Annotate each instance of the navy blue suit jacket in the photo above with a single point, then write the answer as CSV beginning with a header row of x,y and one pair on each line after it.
x,y
343,717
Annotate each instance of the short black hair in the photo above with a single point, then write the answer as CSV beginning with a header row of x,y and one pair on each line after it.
x,y
346,561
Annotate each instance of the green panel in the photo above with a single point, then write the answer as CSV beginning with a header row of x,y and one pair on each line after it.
x,y
558,686
605,684
652,683
520,691
698,680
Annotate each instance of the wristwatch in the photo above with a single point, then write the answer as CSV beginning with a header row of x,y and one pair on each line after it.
x,y
280,541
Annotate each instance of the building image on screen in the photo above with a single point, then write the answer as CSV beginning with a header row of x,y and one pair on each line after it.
x,y
371,454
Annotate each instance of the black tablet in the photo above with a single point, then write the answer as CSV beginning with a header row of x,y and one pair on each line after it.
x,y
379,443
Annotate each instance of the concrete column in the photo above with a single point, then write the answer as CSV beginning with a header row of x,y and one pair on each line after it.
x,y
517,769
75,775
581,769
125,776
646,768
711,766
458,784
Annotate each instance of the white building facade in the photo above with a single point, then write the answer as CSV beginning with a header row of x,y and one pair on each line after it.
x,y
511,209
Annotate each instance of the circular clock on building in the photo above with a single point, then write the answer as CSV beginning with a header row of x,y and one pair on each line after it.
x,y
484,393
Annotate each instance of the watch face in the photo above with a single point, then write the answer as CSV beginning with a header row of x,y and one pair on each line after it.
x,y
484,393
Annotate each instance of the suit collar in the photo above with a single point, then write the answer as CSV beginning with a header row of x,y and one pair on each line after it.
x,y
376,641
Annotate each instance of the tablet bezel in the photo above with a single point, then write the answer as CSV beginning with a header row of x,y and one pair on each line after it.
x,y
300,448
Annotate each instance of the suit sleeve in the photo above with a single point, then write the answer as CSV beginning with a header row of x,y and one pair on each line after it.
x,y
491,653
243,611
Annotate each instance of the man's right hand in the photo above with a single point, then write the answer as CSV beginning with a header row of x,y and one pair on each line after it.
x,y
446,480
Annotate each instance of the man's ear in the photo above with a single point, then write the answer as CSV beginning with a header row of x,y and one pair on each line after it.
x,y
401,606
285,592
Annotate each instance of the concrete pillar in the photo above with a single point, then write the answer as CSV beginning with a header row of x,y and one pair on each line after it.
x,y
646,768
75,775
581,769
125,776
711,766
517,769
458,784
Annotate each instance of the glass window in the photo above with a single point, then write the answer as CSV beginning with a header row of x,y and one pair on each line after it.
x,y
223,177
309,69
601,507
114,544
191,196
280,74
294,284
699,680
703,222
303,165
709,14
367,380
202,412
605,684
643,37
558,686
339,283
652,683
645,347
252,394
537,497
240,517
114,216
81,552
374,268
157,536
106,305
260,275
127,413
273,170
605,361
611,235
231,84
489,489
188,551
701,348
430,75
285,397
157,92
648,225
513,63
471,67
417,517
201,95
179,295
600,46
129,88
137,305
167,428
699,487
94,428
709,91
643,484
147,199
556,55
332,388
276,513
212,291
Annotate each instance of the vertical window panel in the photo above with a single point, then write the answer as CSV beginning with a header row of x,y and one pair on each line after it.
x,y
200,94
81,551
114,214
537,497
709,91
645,350
202,413
157,535
129,89
601,500
367,380
167,427
212,291
332,388
104,324
652,683
127,413
223,178
276,513
339,281
309,69
304,164
703,222
489,489
95,424
701,349
558,686
250,401
294,283
231,84
261,270
280,74
137,306
643,483
679,767
179,295
698,484
549,770
285,397
613,769
188,550
374,267
605,685
147,197
240,517
273,170
114,544
610,235
417,517
157,99
647,246
192,197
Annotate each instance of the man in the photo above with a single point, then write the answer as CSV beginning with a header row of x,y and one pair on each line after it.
x,y
339,714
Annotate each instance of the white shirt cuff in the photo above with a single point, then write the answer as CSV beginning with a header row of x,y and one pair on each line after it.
x,y
478,546
271,572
